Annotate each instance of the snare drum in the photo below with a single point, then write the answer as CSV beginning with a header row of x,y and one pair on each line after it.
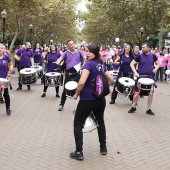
x,y
126,85
4,82
53,79
38,71
146,85
71,87
114,73
28,76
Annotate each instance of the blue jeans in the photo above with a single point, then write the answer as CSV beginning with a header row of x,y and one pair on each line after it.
x,y
160,71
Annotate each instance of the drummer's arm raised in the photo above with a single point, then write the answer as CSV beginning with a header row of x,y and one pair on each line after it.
x,y
59,60
17,57
116,60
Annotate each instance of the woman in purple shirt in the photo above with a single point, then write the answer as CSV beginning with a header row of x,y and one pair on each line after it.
x,y
50,60
124,59
89,102
5,66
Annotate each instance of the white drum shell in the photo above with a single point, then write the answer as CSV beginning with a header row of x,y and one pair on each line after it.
x,y
53,79
71,87
5,82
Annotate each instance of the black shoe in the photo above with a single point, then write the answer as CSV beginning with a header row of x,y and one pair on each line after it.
x,y
149,112
60,107
112,102
103,150
29,88
2,101
132,110
75,155
19,88
57,95
43,95
141,96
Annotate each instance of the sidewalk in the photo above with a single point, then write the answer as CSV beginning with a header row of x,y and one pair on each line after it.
x,y
39,137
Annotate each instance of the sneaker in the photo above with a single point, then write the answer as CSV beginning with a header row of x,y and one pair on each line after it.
x,y
19,88
8,112
132,110
149,112
103,150
75,155
43,95
112,102
60,108
57,95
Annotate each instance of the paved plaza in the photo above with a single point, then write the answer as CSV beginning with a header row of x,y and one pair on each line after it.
x,y
39,137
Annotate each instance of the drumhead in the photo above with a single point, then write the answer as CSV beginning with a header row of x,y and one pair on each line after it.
x,y
39,68
52,74
4,80
146,81
71,85
27,71
114,72
126,81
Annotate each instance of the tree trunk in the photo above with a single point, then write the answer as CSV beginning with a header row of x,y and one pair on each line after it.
x,y
161,34
13,41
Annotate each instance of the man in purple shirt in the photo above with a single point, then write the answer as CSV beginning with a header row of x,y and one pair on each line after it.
x,y
73,59
146,61
25,58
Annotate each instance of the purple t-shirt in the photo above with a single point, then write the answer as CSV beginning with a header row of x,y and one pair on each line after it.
x,y
25,55
88,89
4,66
52,57
37,56
72,59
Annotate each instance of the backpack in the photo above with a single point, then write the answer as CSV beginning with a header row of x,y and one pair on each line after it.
x,y
101,86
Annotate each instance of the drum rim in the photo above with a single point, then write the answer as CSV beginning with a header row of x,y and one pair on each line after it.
x,y
57,74
127,84
75,83
146,83
31,72
5,80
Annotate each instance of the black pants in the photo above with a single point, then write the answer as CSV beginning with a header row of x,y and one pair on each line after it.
x,y
7,98
68,77
19,79
46,87
114,93
82,112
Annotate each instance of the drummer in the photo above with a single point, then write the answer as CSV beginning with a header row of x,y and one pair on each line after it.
x,y
124,60
145,61
89,102
37,52
5,65
25,58
50,59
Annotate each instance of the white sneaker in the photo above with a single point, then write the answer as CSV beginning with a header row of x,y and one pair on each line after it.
x,y
60,108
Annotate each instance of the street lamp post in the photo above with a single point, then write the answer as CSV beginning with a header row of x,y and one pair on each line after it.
x,y
30,27
3,14
141,32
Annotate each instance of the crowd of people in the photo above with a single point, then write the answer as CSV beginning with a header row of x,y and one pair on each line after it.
x,y
78,64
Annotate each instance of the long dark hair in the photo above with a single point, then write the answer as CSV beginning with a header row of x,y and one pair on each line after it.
x,y
130,52
93,48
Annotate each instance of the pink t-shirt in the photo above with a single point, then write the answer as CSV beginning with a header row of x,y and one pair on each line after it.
x,y
161,60
104,54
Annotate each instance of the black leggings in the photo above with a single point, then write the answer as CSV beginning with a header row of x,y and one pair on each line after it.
x,y
82,112
7,98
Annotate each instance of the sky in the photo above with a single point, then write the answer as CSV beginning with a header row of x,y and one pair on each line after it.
x,y
82,5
